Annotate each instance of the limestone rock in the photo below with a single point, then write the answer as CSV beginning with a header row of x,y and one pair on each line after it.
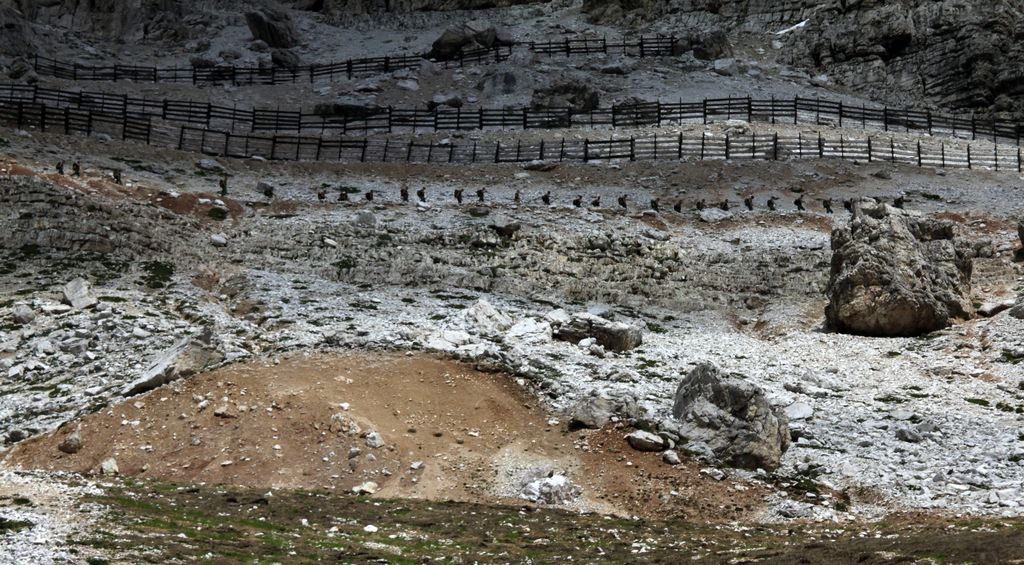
x,y
186,358
646,441
78,294
613,336
552,489
109,467
732,416
23,314
285,58
471,35
72,443
272,24
593,413
486,319
576,94
896,273
712,46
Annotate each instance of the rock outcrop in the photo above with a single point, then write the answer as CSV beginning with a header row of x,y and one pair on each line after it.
x,y
575,94
731,416
272,24
613,336
897,273
470,35
360,7
957,54
186,358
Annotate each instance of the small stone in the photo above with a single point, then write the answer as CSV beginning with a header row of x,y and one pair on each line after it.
x,y
416,465
369,487
109,467
373,440
671,457
909,435
219,240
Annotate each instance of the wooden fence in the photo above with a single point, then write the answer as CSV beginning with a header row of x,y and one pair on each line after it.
x,y
250,75
706,146
370,120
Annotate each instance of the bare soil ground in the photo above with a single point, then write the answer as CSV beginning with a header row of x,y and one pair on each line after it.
x,y
480,437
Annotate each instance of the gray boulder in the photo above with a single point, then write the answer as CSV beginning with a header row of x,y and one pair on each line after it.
x,y
285,58
471,35
272,24
732,416
576,94
712,46
591,413
897,273
613,336
72,443
646,441
185,358
497,83
78,294
23,314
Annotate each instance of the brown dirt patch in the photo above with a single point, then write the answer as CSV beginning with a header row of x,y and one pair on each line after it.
x,y
479,436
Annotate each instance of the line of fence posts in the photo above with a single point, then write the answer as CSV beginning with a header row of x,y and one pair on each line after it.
x,y
709,108
21,121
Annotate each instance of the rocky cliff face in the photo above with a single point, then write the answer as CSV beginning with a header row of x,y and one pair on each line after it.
x,y
116,19
956,53
953,53
360,7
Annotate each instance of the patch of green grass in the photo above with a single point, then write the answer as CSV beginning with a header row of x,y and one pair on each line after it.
x,y
345,263
158,274
217,213
978,401
890,399
363,305
8,526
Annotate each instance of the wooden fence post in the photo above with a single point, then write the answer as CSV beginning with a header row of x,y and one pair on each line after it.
x,y
995,155
542,150
586,150
943,154
919,153
969,156
796,109
680,150
726,146
974,128
821,147
775,147
705,112
885,118
892,150
497,152
928,114
840,113
561,152
632,148
869,149
1018,160
387,145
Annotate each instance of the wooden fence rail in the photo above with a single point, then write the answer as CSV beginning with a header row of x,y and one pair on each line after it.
x,y
251,75
370,120
706,146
